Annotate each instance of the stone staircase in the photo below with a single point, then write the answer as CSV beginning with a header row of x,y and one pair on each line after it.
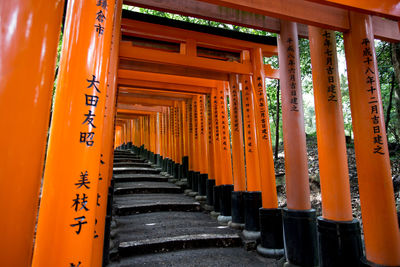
x,y
154,223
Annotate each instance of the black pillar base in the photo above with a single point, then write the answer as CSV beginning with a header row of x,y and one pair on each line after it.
x,y
169,167
158,160
271,230
216,198
177,168
301,243
185,166
252,204
202,184
339,243
237,207
210,183
190,179
165,165
195,181
226,200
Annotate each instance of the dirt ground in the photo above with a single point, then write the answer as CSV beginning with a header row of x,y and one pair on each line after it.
x,y
313,171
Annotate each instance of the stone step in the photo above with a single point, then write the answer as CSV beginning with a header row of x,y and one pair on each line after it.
x,y
205,257
121,170
130,160
146,188
143,203
139,177
132,164
166,231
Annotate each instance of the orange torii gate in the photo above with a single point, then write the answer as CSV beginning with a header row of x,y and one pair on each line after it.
x,y
87,87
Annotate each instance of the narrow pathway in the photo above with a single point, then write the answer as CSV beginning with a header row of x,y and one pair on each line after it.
x,y
154,223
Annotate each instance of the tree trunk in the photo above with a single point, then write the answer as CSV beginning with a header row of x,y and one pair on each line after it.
x,y
277,123
396,65
390,104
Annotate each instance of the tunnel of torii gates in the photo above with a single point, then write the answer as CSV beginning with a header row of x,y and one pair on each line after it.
x,y
161,88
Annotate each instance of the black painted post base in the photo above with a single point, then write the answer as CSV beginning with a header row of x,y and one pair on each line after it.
x,y
252,204
169,167
225,204
190,179
339,243
216,198
202,189
195,182
271,230
210,183
185,166
177,171
300,235
237,210
158,160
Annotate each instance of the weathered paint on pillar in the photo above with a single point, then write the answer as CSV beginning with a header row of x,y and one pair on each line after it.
x,y
216,137
226,157
239,174
267,169
196,143
294,137
117,141
203,134
28,46
381,229
67,210
184,136
210,139
332,157
253,182
128,131
191,135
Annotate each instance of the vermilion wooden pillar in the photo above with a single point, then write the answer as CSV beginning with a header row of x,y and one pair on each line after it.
x,y
252,198
211,152
264,142
270,216
226,156
237,134
30,32
381,228
107,151
298,216
239,174
337,220
203,160
69,194
217,150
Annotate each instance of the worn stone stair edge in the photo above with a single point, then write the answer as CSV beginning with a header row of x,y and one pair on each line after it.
x,y
178,242
156,207
147,190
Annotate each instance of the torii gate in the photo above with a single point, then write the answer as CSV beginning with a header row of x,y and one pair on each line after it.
x,y
80,140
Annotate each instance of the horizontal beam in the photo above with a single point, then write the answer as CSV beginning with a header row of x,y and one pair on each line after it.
x,y
216,13
329,17
140,107
256,14
144,101
156,31
166,87
386,8
127,51
149,92
143,95
165,78
179,71
134,112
